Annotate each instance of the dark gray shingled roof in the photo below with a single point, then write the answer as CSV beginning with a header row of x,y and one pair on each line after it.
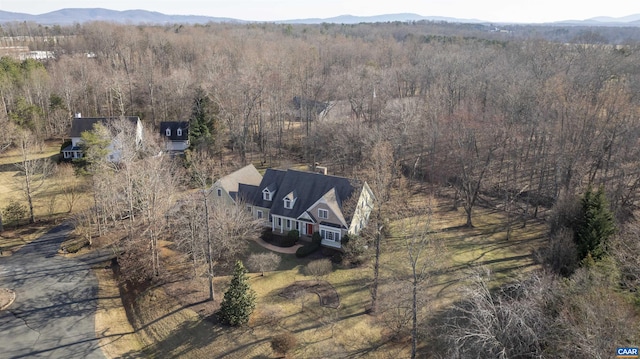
x,y
82,124
246,192
271,178
308,186
174,126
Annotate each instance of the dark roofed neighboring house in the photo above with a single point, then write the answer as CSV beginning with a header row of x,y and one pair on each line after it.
x,y
81,124
306,109
176,135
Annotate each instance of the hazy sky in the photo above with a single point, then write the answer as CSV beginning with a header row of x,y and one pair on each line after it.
x,y
488,10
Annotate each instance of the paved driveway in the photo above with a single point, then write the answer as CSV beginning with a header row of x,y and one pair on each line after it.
x,y
53,314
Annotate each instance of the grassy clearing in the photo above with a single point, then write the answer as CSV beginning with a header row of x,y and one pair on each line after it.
x,y
170,327
49,199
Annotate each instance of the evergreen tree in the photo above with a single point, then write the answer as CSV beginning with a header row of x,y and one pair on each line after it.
x,y
239,300
594,226
95,148
204,122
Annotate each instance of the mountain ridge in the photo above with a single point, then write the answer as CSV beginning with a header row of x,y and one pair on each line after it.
x,y
69,16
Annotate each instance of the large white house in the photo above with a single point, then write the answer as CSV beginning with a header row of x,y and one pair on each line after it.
x,y
81,124
304,201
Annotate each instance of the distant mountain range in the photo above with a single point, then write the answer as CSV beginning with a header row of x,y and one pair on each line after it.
x,y
72,16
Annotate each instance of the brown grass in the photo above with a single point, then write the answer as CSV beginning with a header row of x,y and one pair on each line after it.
x,y
117,337
48,200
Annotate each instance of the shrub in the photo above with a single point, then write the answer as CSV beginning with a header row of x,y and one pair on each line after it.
x,y
307,249
319,268
14,212
277,240
316,238
293,235
354,249
283,343
263,262
267,235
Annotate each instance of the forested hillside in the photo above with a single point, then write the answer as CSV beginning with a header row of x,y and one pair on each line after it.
x,y
519,123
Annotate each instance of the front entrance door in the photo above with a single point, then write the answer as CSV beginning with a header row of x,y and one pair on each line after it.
x,y
309,228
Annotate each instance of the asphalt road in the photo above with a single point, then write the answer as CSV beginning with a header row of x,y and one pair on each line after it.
x,y
56,298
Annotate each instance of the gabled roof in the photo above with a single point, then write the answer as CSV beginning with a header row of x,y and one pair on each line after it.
x,y
305,104
83,124
309,187
174,126
247,175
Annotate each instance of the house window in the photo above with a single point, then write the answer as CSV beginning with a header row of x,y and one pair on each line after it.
x,y
249,208
179,132
330,235
270,219
297,226
279,222
323,213
266,195
288,204
219,192
259,214
167,132
288,224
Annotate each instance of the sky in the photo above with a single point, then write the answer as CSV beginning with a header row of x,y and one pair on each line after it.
x,y
522,11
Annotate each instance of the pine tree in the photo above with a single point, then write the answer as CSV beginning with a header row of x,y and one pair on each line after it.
x,y
239,300
595,225
204,122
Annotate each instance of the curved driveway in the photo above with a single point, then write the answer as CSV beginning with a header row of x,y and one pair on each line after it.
x,y
56,298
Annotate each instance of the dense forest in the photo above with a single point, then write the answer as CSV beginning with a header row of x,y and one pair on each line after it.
x,y
522,119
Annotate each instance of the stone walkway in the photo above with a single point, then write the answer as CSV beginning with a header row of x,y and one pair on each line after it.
x,y
285,250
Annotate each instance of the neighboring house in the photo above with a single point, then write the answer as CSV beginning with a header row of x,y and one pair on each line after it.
x,y
176,135
306,109
83,124
308,202
227,187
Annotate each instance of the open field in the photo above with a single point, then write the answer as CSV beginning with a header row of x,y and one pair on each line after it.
x,y
172,319
49,198
49,208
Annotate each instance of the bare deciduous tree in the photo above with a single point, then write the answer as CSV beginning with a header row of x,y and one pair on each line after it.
x,y
263,262
33,170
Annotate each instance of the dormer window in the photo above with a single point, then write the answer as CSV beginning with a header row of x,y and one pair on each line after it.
x,y
179,132
266,195
289,200
288,204
167,132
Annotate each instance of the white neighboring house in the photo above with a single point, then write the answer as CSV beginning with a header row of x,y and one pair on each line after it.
x,y
83,124
176,135
308,202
